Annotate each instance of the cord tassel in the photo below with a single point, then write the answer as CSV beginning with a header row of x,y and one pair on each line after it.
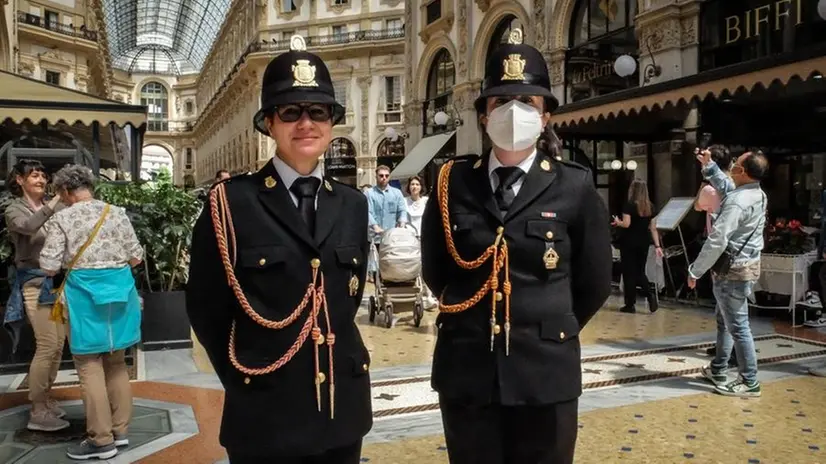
x,y
506,287
331,342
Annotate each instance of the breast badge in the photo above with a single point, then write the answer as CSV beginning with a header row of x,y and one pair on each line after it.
x,y
550,258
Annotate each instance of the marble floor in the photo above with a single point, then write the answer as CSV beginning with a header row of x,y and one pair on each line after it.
x,y
643,400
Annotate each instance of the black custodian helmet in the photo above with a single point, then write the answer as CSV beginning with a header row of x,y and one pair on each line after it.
x,y
516,69
297,76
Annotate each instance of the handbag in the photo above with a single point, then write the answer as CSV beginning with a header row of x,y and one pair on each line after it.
x,y
58,309
723,264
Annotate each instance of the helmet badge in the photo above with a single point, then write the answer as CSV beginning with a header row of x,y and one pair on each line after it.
x,y
303,71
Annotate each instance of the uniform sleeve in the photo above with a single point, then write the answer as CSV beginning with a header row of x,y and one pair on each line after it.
x,y
434,248
208,296
19,222
592,259
364,245
51,255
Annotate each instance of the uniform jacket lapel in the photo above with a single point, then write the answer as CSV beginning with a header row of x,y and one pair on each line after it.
x,y
327,211
483,191
536,182
277,200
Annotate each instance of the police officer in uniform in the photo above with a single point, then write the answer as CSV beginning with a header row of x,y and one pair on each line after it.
x,y
517,245
276,276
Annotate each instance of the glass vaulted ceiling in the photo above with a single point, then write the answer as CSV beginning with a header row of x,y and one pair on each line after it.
x,y
162,36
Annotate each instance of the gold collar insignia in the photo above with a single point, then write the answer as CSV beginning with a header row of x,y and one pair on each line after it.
x,y
269,182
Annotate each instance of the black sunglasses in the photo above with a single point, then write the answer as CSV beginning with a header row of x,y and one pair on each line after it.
x,y
316,112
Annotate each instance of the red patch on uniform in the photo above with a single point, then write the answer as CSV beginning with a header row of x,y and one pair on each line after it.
x,y
548,214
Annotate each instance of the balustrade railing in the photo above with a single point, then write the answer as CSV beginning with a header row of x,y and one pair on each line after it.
x,y
65,29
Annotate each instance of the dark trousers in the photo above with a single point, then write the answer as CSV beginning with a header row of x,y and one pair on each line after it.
x,y
633,272
345,455
496,434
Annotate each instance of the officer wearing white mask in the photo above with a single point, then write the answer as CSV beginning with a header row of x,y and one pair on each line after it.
x,y
517,246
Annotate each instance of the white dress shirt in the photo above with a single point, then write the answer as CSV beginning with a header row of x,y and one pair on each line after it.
x,y
493,163
288,175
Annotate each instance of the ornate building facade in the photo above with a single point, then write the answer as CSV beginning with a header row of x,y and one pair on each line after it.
x,y
362,43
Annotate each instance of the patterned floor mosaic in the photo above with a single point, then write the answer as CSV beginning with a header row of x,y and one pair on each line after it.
x,y
786,425
405,344
413,395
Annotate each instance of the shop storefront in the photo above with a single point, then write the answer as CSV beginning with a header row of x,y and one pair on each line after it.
x,y
340,161
759,83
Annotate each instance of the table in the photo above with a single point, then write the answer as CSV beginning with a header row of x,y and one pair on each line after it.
x,y
774,268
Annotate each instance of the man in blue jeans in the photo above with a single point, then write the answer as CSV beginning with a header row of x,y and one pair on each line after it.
x,y
738,230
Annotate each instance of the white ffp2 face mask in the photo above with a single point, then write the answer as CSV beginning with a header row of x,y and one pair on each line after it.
x,y
514,126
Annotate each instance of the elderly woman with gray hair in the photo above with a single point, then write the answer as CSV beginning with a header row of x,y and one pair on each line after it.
x,y
97,246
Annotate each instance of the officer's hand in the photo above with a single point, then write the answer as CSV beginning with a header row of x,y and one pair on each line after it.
x,y
703,157
692,282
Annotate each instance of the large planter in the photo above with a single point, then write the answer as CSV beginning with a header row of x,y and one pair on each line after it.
x,y
165,324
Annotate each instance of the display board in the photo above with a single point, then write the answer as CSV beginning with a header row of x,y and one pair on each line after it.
x,y
673,213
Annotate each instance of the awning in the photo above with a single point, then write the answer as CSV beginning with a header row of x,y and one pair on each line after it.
x,y
24,98
716,83
420,155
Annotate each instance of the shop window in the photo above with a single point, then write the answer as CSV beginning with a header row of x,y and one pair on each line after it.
x,y
340,161
440,82
601,31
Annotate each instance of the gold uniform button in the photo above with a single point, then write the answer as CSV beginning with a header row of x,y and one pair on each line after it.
x,y
262,262
496,329
320,340
498,296
549,235
365,367
355,260
321,377
500,229
316,263
562,335
247,380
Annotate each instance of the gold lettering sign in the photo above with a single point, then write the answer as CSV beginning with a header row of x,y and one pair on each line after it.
x,y
304,74
759,20
606,68
514,68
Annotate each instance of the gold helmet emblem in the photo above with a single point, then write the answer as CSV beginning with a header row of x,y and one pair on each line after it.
x,y
514,68
304,74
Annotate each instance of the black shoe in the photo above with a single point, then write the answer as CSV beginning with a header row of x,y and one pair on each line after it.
x,y
653,306
628,309
88,450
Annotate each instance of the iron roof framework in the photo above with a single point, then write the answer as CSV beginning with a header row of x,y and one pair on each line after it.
x,y
162,36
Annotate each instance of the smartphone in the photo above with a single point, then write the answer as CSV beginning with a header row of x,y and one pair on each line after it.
x,y
705,141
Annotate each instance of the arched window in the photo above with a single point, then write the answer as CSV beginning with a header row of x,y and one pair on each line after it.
x,y
440,82
501,33
340,160
601,31
155,97
388,148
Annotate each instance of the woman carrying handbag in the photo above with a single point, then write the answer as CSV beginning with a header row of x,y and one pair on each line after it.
x,y
96,244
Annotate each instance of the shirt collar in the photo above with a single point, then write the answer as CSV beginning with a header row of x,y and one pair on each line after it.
x,y
525,165
288,175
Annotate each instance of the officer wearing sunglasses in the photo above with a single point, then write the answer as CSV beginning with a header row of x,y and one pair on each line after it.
x,y
276,276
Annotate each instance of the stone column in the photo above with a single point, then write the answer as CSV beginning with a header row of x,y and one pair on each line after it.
x,y
469,134
413,124
556,68
364,83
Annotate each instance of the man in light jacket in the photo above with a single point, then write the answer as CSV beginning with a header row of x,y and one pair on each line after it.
x,y
737,230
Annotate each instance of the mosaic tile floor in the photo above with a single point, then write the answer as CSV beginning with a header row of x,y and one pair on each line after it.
x,y
405,396
405,344
786,425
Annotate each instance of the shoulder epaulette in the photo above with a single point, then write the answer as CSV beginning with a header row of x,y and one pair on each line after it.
x,y
230,180
467,157
338,182
573,164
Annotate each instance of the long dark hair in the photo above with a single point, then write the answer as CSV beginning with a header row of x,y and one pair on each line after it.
x,y
549,142
23,168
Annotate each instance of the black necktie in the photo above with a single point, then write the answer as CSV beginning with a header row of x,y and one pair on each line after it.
x,y
504,194
305,189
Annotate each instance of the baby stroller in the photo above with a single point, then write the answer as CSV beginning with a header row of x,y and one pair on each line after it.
x,y
398,278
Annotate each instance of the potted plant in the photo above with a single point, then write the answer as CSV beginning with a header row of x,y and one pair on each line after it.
x,y
163,216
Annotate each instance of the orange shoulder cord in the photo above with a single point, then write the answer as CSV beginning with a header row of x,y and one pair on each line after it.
x,y
498,250
224,233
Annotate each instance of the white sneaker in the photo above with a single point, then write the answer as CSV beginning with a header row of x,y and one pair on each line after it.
x,y
821,322
811,301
